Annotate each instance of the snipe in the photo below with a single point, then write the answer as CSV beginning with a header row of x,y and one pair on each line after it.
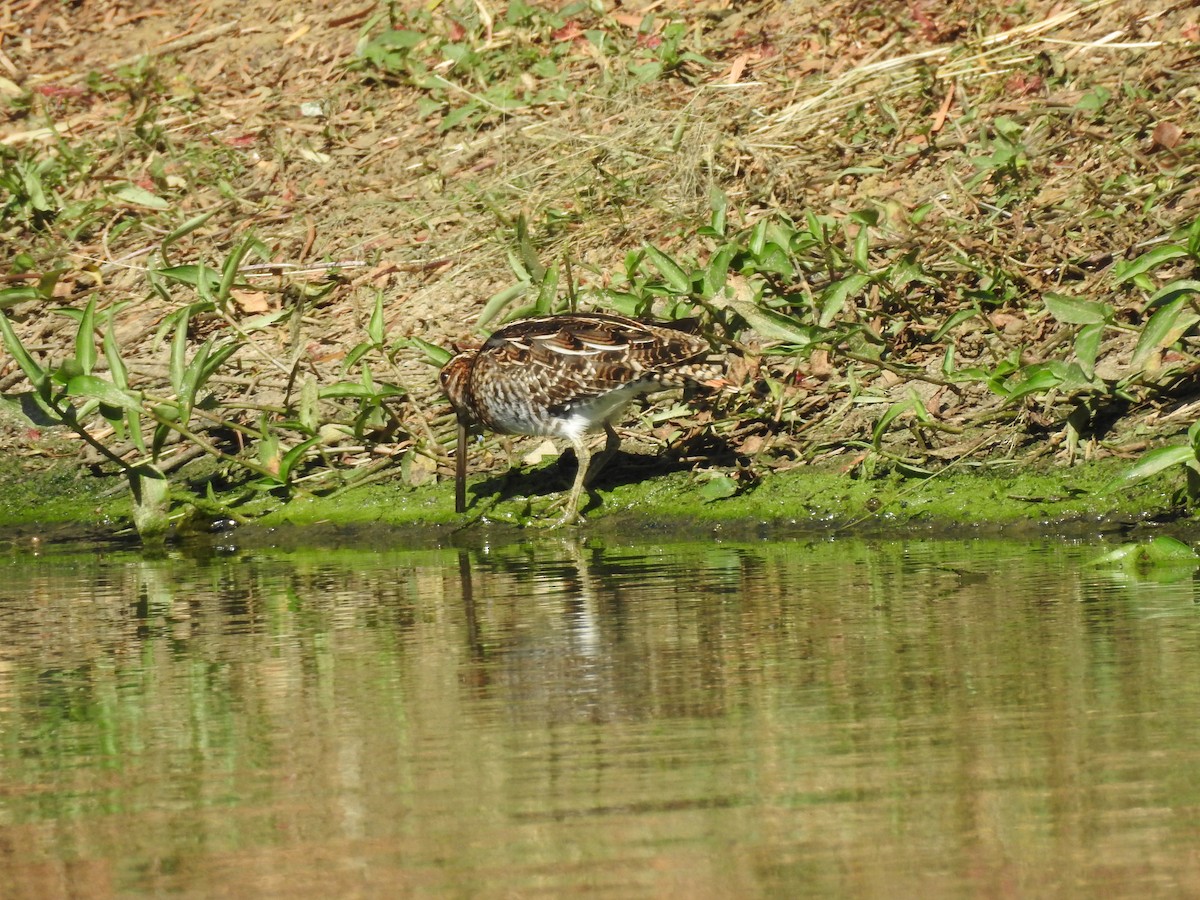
x,y
563,376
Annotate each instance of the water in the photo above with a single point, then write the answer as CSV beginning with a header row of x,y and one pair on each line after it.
x,y
808,718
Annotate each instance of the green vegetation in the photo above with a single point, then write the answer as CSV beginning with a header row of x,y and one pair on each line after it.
x,y
958,254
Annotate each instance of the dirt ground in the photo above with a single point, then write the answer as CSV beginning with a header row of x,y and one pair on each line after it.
x,y
253,111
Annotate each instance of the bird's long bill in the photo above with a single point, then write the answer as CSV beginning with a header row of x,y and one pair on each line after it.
x,y
460,469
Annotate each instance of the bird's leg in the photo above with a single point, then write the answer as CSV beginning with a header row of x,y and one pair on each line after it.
x,y
611,442
460,469
588,468
570,514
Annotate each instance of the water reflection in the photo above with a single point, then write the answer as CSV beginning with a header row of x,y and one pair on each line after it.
x,y
848,717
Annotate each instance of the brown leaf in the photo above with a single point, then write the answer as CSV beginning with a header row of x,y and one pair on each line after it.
x,y
1166,135
736,70
251,301
629,20
819,365
742,369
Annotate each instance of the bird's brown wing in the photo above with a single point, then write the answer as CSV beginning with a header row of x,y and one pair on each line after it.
x,y
594,352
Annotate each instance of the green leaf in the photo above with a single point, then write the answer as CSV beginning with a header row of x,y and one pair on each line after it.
x,y
1077,311
547,291
860,255
395,40
717,270
214,360
1116,555
624,303
529,258
1172,291
178,361
456,117
1165,327
758,238
1155,461
773,325
1165,548
889,416
1193,240
775,259
104,391
1193,436
185,229
85,338
1037,379
136,196
1094,100
288,461
20,294
360,391
434,355
1151,259
112,353
1160,551
1087,345
189,384
670,270
719,488
197,276
719,204
359,351
266,320
133,421
34,372
375,325
229,271
646,72
834,297
953,322
498,301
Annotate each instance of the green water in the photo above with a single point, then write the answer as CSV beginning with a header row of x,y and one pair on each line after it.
x,y
820,718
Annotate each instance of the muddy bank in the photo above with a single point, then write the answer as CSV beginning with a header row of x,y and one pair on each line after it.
x,y
59,504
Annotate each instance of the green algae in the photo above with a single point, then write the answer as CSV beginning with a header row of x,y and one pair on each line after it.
x,y
994,498
813,497
37,493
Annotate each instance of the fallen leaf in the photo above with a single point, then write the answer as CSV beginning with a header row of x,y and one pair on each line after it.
x,y
819,365
251,301
297,34
1166,135
718,488
1021,85
736,70
939,118
569,32
543,451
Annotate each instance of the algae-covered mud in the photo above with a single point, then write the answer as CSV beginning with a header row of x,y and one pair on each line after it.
x,y
1087,499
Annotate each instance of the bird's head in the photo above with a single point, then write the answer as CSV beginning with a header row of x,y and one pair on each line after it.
x,y
455,378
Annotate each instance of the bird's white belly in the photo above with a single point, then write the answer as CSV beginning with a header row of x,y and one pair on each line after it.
x,y
572,421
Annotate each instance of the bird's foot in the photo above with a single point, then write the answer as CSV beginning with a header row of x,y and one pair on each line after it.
x,y
570,514
572,519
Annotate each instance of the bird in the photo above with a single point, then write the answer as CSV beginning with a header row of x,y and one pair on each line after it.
x,y
563,376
